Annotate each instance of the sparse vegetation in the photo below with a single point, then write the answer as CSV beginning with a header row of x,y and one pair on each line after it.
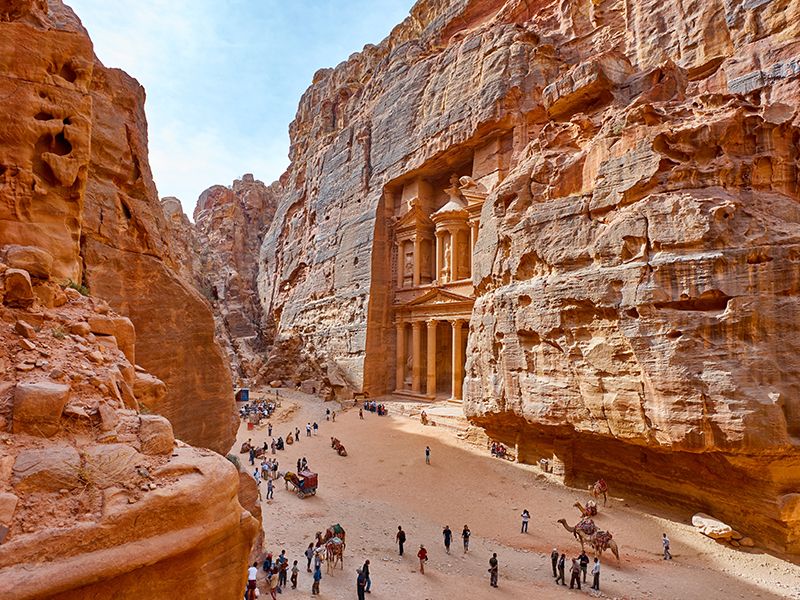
x,y
59,333
84,291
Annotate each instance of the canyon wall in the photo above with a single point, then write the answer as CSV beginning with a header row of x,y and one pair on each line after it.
x,y
98,499
636,264
229,224
76,182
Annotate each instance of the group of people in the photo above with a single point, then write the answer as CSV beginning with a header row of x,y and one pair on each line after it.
x,y
256,411
579,566
499,450
373,406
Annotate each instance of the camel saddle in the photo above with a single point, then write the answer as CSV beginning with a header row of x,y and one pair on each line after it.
x,y
587,526
603,538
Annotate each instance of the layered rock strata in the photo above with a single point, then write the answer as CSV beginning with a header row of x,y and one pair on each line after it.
x,y
635,263
75,181
97,498
229,225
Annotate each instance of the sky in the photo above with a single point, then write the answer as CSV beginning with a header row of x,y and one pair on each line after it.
x,y
223,77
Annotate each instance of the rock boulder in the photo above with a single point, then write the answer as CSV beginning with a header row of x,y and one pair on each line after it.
x,y
38,406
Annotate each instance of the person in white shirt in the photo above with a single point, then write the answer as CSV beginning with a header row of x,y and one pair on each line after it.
x,y
596,574
526,516
665,543
252,573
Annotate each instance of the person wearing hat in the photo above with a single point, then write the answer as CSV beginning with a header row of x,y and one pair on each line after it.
x,y
422,555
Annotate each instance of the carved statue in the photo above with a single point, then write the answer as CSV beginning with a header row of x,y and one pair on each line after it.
x,y
463,259
409,264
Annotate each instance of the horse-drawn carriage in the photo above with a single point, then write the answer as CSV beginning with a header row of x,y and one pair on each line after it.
x,y
304,483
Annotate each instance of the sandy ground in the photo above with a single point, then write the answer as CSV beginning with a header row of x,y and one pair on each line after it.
x,y
384,482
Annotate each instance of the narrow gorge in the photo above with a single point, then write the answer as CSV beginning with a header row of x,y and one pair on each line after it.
x,y
576,222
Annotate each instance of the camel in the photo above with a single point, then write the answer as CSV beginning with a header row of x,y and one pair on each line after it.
x,y
598,540
589,511
338,446
334,553
599,488
334,531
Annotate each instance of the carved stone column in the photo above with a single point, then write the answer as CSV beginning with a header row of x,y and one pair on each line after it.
x,y
431,373
416,357
439,256
417,259
458,361
400,367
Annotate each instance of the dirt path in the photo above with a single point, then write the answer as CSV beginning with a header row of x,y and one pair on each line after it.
x,y
384,482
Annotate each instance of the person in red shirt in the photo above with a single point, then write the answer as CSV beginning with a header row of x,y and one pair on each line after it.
x,y
422,555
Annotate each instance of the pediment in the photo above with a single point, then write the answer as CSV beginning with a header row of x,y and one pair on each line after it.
x,y
437,297
413,218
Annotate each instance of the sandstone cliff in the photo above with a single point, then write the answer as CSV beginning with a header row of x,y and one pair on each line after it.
x,y
97,499
636,260
229,224
76,183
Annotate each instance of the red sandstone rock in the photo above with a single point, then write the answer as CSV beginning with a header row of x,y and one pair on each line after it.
x,y
77,187
635,260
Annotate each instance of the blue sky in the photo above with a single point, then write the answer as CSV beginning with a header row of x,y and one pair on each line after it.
x,y
223,77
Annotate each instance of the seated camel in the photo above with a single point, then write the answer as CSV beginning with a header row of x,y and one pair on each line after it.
x,y
334,442
599,488
597,539
589,511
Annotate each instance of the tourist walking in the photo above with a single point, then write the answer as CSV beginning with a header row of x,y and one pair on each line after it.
x,y
427,455
297,434
368,581
401,538
257,477
315,427
465,533
293,578
270,489
493,570
554,560
575,574
252,574
252,455
317,579
308,429
327,414
361,583
309,555
333,416
665,543
596,574
561,565
361,413
448,535
526,516
422,555
272,445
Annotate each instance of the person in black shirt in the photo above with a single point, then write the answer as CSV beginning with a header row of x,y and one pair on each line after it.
x,y
401,538
448,535
584,560
554,560
561,562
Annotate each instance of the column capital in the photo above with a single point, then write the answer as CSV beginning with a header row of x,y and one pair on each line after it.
x,y
432,323
416,324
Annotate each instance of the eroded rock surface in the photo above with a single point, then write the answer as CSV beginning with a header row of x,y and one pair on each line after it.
x,y
636,264
79,204
220,254
96,499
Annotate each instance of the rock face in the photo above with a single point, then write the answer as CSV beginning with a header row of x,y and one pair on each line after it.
x,y
222,248
96,499
636,264
79,204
